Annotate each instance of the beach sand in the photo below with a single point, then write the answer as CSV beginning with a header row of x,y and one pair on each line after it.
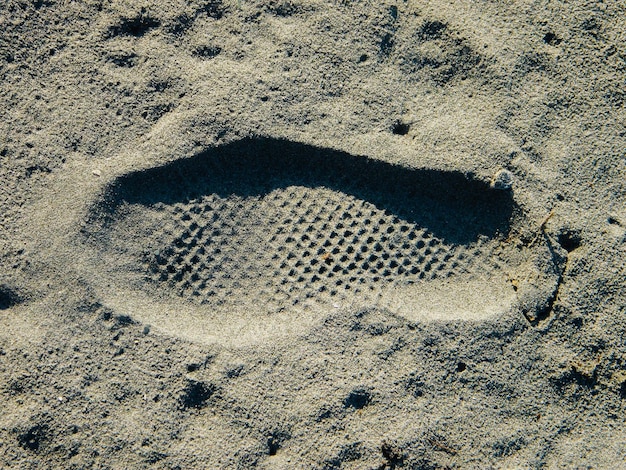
x,y
307,234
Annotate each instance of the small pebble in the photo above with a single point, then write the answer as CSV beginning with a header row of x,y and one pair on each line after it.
x,y
502,180
96,173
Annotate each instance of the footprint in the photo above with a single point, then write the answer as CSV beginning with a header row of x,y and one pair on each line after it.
x,y
263,238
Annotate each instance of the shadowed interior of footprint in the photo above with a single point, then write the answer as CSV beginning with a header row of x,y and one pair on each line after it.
x,y
452,206
263,226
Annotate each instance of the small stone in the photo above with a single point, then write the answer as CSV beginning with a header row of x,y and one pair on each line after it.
x,y
96,173
502,180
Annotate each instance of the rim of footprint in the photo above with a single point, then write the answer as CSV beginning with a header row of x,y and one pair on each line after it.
x,y
264,237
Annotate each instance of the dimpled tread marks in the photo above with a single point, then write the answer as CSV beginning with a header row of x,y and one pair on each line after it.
x,y
298,243
273,226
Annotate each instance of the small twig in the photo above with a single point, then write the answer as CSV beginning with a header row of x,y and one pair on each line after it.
x,y
441,446
541,230
542,226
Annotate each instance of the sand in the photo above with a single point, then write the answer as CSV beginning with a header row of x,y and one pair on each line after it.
x,y
307,234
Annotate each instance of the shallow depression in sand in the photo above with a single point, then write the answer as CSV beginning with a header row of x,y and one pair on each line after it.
x,y
264,237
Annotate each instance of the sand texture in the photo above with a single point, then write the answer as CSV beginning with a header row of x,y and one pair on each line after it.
x,y
312,235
